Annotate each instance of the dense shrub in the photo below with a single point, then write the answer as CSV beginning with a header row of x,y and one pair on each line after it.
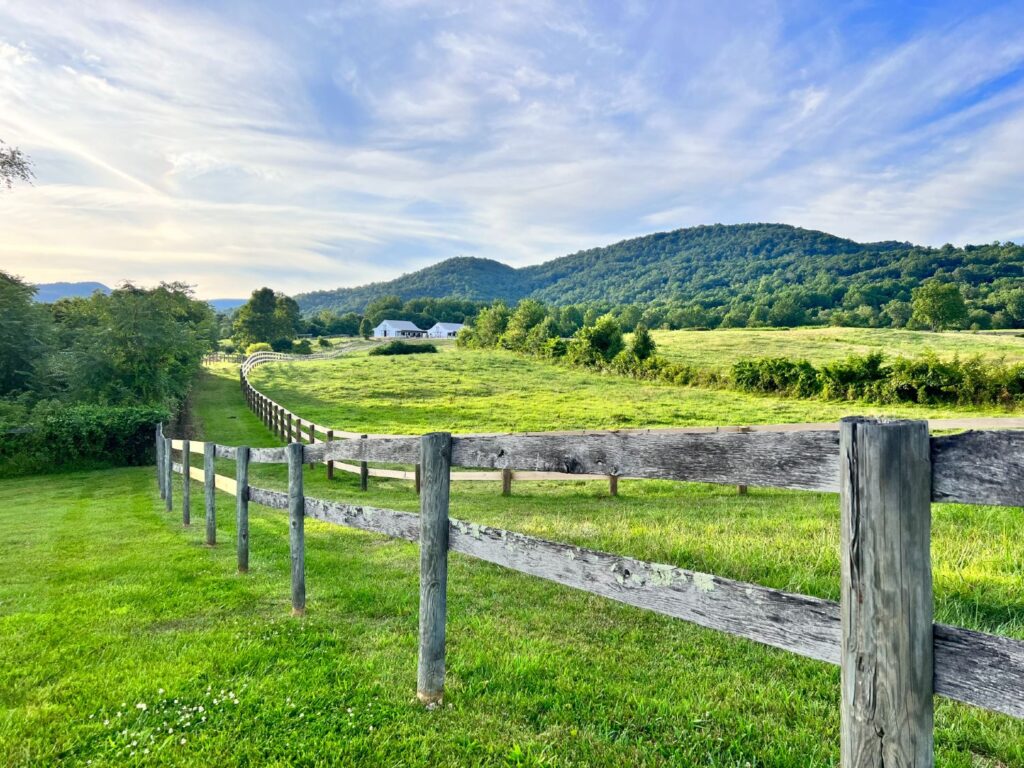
x,y
777,375
259,346
402,348
59,437
281,345
926,379
302,347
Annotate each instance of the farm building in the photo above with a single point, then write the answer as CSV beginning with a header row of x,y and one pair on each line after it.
x,y
398,329
445,330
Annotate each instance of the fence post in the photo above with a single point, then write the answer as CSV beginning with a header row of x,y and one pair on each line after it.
x,y
887,664
364,473
435,458
330,464
160,459
418,479
742,489
242,506
210,487
289,436
312,439
613,485
506,481
296,527
169,473
186,483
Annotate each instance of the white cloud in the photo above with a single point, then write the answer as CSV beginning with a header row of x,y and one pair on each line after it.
x,y
328,147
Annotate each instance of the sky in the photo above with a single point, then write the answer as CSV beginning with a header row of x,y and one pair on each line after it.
x,y
311,145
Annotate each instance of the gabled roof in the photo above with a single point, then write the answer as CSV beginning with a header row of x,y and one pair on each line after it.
x,y
448,326
401,325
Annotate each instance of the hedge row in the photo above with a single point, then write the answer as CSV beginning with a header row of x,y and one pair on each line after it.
x,y
926,379
402,348
79,437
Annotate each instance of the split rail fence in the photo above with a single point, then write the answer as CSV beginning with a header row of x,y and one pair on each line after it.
x,y
892,656
288,427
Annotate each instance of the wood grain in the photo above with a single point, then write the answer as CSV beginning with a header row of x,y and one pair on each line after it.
x,y
799,460
210,493
242,508
979,468
887,660
297,527
435,460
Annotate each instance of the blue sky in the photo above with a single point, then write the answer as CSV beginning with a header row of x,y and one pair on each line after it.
x,y
308,145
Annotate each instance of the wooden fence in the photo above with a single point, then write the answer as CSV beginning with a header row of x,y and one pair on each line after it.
x,y
892,657
289,426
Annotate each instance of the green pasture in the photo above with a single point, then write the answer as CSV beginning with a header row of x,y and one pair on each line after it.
x,y
717,350
467,390
107,604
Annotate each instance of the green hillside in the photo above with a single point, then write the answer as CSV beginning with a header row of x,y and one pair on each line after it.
x,y
463,277
744,274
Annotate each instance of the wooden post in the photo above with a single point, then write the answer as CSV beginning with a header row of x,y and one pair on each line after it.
x,y
312,439
613,485
330,464
506,482
160,459
742,489
364,474
242,506
289,436
169,474
436,459
186,483
887,664
296,527
210,488
418,479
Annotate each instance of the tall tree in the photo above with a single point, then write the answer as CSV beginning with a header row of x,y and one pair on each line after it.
x,y
25,333
939,305
266,317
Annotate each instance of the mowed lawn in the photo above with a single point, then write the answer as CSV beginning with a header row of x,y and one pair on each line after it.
x,y
108,604
717,350
466,390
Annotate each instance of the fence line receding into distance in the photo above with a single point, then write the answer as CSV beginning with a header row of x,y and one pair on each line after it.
x,y
288,426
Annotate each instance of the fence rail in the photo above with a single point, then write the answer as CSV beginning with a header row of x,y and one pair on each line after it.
x,y
891,655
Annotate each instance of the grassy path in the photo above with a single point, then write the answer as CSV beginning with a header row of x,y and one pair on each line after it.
x,y
106,602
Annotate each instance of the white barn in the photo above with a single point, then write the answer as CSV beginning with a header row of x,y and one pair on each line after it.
x,y
445,330
398,329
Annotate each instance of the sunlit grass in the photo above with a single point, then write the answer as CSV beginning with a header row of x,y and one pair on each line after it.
x,y
106,603
718,350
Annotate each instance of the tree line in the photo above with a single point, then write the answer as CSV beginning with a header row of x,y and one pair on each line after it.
x,y
600,343
83,380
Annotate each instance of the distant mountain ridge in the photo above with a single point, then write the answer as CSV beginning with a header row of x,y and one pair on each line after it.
x,y
47,293
684,264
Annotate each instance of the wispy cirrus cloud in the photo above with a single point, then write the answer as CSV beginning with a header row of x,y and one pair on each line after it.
x,y
325,144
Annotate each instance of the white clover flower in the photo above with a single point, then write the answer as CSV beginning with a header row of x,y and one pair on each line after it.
x,y
141,705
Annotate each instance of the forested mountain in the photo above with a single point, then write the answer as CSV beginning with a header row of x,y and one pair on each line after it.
x,y
463,277
744,274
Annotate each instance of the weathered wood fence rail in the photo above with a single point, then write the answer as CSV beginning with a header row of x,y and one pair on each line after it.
x,y
881,634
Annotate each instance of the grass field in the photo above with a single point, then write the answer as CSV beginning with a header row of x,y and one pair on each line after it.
x,y
106,603
464,390
718,350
